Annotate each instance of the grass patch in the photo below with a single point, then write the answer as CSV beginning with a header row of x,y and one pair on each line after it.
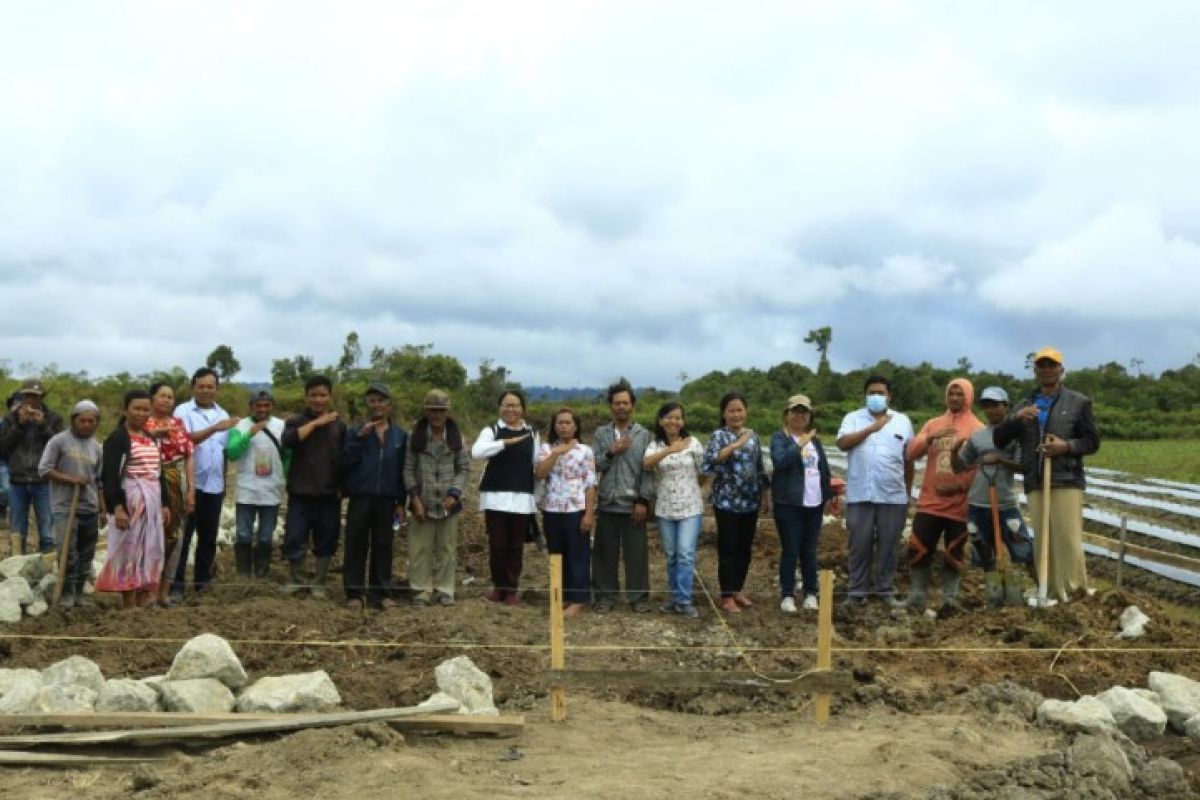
x,y
1173,459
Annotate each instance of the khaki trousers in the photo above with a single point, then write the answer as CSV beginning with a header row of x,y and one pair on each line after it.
x,y
433,556
1068,570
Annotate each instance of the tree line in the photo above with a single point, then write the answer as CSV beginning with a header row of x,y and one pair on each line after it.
x,y
1129,403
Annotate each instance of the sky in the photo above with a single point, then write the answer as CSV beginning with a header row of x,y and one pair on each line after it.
x,y
580,190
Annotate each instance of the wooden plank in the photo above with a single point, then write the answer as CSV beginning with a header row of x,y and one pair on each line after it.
x,y
719,679
1145,553
558,695
223,730
824,639
501,725
21,758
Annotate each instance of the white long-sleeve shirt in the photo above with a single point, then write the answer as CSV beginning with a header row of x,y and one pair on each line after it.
x,y
487,445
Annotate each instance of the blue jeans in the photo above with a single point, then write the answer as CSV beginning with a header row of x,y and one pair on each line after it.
x,y
799,529
247,515
4,485
20,497
679,537
1013,533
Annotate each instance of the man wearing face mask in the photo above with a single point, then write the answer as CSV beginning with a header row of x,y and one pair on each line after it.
x,y
878,486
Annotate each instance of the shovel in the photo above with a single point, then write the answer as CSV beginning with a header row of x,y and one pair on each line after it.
x,y
65,555
995,578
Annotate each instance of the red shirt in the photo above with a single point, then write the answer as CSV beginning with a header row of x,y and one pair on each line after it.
x,y
176,443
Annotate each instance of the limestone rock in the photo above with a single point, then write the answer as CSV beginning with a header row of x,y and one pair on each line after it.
x,y
1085,714
1133,623
37,608
438,699
45,587
1162,777
31,567
466,684
1137,717
74,671
1101,757
19,690
18,589
67,698
10,610
123,694
208,656
309,691
1191,728
1179,695
198,696
155,682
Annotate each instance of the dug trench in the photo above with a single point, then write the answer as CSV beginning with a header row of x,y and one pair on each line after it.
x,y
936,703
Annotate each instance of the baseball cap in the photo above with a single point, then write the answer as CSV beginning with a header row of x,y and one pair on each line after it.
x,y
262,394
1050,353
379,389
32,386
798,400
994,393
436,398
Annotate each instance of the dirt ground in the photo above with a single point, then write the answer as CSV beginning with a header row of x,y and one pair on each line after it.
x,y
915,719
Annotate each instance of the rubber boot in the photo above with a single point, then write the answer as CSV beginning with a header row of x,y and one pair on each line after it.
x,y
260,560
322,569
241,557
295,580
950,581
918,588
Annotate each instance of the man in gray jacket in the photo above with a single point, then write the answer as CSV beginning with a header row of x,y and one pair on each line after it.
x,y
1055,422
624,497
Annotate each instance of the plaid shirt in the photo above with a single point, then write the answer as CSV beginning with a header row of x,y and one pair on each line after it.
x,y
432,473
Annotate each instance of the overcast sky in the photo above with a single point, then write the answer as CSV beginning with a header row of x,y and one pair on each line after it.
x,y
585,189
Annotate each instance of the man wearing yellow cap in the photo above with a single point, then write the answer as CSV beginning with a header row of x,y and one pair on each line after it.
x,y
1055,422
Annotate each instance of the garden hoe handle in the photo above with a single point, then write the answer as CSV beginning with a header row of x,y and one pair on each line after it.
x,y
1000,557
1043,561
65,554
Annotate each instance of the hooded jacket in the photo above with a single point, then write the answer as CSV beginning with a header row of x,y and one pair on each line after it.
x,y
938,470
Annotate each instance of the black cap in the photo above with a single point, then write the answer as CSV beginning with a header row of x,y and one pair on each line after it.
x,y
262,394
379,389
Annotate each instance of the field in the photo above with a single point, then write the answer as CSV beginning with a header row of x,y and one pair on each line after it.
x,y
1173,459
939,708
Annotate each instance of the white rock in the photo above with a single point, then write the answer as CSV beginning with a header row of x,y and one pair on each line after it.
x,y
69,698
309,691
124,694
208,656
31,567
466,684
155,682
1132,622
37,608
1085,714
197,695
74,671
1191,728
19,690
1149,695
1179,696
18,589
1137,717
439,699
46,586
10,610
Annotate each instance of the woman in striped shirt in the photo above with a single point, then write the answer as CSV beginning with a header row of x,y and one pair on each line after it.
x,y
138,498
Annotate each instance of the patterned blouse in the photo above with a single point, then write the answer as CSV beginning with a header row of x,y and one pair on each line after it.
x,y
677,481
176,443
571,476
737,483
143,460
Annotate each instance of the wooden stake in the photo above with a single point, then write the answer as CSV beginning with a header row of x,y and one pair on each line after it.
x,y
667,680
1121,554
1043,537
502,725
824,638
558,695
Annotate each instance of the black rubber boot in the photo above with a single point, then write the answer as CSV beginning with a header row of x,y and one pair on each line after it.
x,y
241,556
261,561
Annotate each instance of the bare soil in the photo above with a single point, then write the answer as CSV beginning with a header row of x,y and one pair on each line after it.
x,y
915,719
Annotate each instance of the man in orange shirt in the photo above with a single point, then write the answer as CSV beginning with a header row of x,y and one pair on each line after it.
x,y
942,504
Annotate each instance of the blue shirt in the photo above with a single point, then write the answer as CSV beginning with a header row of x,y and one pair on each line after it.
x,y
209,458
737,482
875,469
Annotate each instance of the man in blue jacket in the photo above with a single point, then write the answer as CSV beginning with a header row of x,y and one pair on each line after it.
x,y
373,461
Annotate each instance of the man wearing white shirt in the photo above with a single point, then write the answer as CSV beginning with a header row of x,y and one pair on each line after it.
x,y
878,486
208,425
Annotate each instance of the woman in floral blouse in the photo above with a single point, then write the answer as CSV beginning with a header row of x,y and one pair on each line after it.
x,y
568,505
178,468
734,459
677,458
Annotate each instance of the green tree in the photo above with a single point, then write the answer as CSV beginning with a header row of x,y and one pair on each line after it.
x,y
222,361
351,355
821,338
283,372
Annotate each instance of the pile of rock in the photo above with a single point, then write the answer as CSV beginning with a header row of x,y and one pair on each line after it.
x,y
26,586
203,679
1140,714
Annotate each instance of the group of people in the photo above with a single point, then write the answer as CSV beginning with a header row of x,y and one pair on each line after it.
x,y
161,477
